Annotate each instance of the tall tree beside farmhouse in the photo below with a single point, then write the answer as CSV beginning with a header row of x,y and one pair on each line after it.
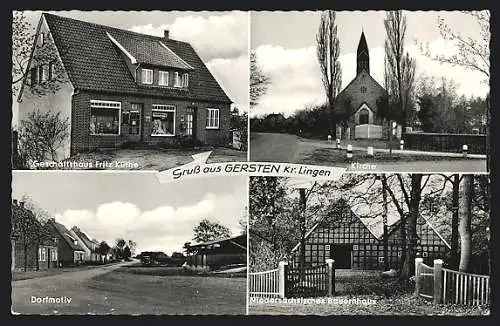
x,y
209,231
259,82
454,260
328,51
400,67
385,203
465,217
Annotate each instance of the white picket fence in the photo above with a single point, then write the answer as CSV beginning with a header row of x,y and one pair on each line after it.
x,y
464,288
268,284
444,285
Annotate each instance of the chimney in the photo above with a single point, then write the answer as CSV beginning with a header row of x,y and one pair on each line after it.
x,y
14,202
165,34
21,204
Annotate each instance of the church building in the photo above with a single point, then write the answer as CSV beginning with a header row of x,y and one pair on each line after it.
x,y
357,105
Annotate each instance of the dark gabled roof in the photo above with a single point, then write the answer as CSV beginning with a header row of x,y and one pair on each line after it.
x,y
149,50
93,62
239,241
65,234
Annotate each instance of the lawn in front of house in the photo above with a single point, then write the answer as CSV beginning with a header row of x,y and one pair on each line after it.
x,y
158,159
365,294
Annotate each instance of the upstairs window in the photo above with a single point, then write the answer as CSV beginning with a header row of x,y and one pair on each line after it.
x,y
163,120
41,39
33,76
147,76
105,117
52,73
177,80
40,74
163,78
185,80
213,119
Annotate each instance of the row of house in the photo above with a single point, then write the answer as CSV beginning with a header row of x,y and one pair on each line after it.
x,y
49,245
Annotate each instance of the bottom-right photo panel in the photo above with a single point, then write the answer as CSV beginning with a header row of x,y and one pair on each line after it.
x,y
370,244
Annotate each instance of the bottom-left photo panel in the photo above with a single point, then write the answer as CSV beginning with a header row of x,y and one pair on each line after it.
x,y
124,243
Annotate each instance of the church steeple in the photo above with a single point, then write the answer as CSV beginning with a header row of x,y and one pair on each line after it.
x,y
363,57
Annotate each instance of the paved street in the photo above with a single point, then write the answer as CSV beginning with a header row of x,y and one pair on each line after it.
x,y
270,147
122,289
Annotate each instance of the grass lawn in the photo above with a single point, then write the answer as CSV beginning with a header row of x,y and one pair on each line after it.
x,y
327,156
381,297
137,291
158,158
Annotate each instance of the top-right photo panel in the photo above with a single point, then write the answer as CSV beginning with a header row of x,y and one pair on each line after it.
x,y
374,91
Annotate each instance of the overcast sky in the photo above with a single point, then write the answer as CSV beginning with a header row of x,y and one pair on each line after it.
x,y
135,205
285,43
220,38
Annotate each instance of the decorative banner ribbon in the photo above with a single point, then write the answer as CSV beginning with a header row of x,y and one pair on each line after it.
x,y
199,168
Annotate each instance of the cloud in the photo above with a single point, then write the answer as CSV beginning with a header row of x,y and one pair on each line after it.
x,y
296,77
164,228
221,36
233,76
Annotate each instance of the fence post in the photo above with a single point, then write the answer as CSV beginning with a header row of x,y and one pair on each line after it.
x,y
349,151
282,266
331,276
338,143
438,281
329,138
418,269
465,150
401,144
369,151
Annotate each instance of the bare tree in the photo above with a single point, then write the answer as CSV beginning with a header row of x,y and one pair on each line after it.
x,y
41,135
400,68
472,54
259,82
328,51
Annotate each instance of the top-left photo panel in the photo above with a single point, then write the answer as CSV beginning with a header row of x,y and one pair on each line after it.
x,y
125,90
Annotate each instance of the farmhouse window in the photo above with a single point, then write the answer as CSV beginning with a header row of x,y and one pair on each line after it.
x,y
105,117
53,254
213,119
189,124
42,254
425,254
177,80
185,80
380,259
163,78
147,76
163,120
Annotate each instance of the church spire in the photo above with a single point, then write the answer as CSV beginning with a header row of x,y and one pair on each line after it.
x,y
363,55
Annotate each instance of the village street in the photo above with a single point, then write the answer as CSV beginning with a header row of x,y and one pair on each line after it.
x,y
276,147
122,289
